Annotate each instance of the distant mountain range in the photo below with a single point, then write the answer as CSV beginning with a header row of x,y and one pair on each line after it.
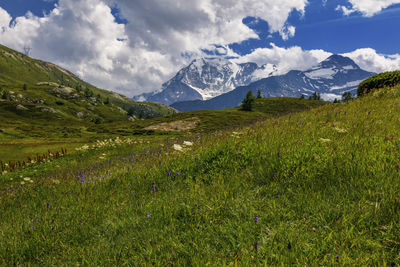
x,y
204,79
331,78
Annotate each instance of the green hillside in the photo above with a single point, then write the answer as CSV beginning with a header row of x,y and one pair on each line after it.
x,y
315,187
32,88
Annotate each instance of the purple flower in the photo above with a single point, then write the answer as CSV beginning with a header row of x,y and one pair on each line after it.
x,y
153,185
48,205
178,173
169,172
148,216
256,219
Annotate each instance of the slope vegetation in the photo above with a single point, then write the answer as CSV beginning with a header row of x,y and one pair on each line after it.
x,y
318,187
42,87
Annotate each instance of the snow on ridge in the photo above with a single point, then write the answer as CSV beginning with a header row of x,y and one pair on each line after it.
x,y
321,74
347,85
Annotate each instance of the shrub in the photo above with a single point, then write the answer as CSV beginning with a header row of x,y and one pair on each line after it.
x,y
379,81
248,101
259,94
347,96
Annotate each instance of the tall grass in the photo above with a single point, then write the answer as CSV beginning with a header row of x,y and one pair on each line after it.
x,y
319,187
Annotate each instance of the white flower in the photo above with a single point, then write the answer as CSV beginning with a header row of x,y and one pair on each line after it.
x,y
178,147
187,143
27,179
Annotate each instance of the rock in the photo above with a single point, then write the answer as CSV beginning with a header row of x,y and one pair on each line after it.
x,y
48,83
20,96
80,114
49,110
21,107
64,90
131,118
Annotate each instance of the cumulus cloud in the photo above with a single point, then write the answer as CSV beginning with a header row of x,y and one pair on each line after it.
x,y
83,36
286,59
367,7
368,59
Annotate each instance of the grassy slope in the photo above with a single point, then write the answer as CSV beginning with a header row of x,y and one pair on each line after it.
x,y
17,69
324,184
23,139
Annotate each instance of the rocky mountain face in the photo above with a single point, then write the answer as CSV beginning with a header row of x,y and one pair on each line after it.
x,y
204,79
331,78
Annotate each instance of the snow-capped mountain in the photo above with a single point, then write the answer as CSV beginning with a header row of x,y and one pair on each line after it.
x,y
204,79
331,78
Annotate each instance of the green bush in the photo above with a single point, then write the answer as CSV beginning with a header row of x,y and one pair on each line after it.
x,y
379,81
248,101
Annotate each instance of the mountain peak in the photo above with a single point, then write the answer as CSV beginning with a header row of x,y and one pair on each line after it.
x,y
339,62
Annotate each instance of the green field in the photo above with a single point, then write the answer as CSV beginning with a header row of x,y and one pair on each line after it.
x,y
314,187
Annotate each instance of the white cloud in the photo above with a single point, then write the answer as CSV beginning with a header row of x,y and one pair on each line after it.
x,y
368,59
286,59
287,32
367,7
81,35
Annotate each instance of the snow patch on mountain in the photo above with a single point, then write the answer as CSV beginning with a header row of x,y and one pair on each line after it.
x,y
347,85
321,74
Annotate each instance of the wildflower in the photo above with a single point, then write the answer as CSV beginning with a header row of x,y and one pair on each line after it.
x,y
256,219
48,205
178,147
148,216
27,179
323,140
187,143
178,173
22,183
154,187
169,172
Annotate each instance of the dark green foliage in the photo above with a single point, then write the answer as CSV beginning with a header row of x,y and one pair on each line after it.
x,y
60,103
78,88
97,120
131,111
336,101
107,101
302,96
259,94
88,92
378,81
248,101
347,96
316,96
4,95
25,87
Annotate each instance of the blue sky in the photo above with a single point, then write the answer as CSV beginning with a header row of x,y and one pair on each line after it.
x,y
323,27
133,46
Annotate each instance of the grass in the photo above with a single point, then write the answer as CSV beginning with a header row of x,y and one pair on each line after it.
x,y
323,183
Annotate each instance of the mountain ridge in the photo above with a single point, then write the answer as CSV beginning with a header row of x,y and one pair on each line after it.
x,y
204,79
331,78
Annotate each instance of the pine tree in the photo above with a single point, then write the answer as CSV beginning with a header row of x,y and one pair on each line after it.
x,y
347,96
259,94
248,101
25,87
302,96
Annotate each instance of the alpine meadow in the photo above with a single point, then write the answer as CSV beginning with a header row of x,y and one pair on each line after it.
x,y
206,148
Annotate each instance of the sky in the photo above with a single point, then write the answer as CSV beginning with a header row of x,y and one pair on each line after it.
x,y
134,46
